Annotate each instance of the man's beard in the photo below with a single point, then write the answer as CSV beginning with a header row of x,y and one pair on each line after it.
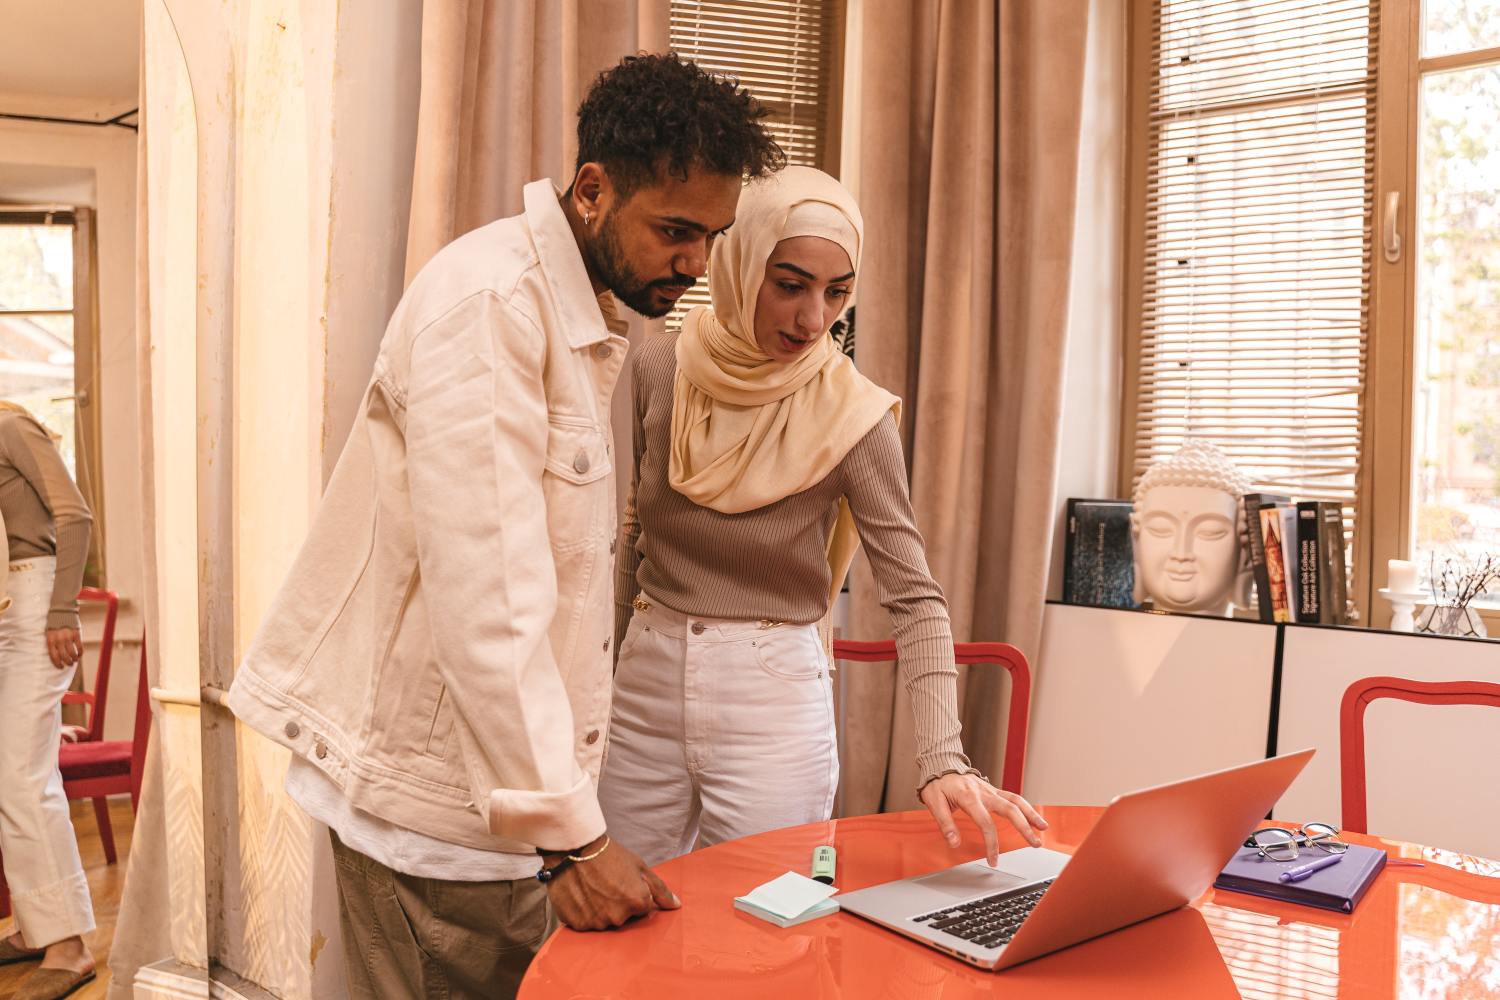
x,y
607,259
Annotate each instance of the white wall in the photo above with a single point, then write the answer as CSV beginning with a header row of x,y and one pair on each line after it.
x,y
1128,699
27,150
1089,438
1432,771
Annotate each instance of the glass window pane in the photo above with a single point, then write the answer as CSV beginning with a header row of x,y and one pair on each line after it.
x,y
1456,460
36,268
36,370
1450,26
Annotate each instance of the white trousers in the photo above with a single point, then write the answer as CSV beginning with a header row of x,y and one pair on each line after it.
x,y
719,729
48,891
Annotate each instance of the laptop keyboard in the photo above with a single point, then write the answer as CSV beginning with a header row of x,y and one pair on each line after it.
x,y
988,922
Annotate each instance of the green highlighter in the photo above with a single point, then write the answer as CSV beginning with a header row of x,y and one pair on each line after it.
x,y
823,863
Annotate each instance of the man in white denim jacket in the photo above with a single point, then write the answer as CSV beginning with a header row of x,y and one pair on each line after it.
x,y
438,657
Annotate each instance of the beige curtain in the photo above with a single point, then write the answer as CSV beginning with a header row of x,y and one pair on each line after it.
x,y
501,83
968,187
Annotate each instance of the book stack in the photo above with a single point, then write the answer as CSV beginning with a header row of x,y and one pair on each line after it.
x,y
1297,556
1098,557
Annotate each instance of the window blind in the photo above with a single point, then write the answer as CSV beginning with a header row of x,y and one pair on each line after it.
x,y
1257,238
785,52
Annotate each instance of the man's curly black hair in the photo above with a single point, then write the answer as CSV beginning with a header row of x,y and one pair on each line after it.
x,y
655,112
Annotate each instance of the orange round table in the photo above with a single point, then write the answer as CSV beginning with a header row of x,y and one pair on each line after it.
x,y
1432,930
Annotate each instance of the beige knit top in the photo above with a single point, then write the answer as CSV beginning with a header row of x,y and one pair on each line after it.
x,y
770,563
45,515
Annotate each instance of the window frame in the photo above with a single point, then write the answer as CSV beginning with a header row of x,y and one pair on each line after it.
x,y
1384,488
1391,384
86,364
1140,23
86,381
836,28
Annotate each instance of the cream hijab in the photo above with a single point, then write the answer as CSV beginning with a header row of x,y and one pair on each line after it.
x,y
748,431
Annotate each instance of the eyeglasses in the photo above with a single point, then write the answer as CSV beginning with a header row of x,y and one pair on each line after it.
x,y
1279,844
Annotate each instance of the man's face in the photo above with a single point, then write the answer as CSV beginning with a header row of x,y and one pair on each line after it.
x,y
651,247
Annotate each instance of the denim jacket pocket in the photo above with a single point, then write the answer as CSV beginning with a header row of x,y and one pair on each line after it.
x,y
576,450
576,485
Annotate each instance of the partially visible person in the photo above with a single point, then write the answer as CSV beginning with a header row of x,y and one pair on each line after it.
x,y
761,457
47,525
438,659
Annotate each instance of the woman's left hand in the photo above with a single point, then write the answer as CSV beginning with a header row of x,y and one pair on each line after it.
x,y
977,797
65,646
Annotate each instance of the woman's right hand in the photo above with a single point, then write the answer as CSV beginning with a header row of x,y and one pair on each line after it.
x,y
65,646
971,794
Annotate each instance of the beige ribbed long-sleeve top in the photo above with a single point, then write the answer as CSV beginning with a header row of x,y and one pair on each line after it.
x,y
770,562
45,515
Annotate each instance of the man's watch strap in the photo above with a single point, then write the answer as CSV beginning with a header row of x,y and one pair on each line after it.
x,y
546,874
569,860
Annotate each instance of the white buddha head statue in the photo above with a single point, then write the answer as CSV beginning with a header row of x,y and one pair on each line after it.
x,y
1188,530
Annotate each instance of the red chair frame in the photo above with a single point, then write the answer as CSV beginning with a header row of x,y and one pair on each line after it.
x,y
98,703
98,699
999,653
127,759
1357,697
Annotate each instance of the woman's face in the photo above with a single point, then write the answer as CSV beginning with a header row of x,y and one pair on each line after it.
x,y
807,281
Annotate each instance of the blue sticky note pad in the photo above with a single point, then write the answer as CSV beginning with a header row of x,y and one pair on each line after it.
x,y
789,899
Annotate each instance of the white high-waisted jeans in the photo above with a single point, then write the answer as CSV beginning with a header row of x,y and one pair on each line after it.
x,y
719,729
48,891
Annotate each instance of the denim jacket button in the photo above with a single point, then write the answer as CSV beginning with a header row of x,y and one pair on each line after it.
x,y
603,351
581,462
321,749
293,730
592,737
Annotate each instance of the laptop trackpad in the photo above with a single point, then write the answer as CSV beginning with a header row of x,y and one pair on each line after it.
x,y
971,880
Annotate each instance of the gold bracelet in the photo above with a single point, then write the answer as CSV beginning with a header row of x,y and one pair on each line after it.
x,y
590,857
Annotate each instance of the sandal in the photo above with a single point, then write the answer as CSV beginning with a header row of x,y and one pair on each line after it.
x,y
10,954
52,984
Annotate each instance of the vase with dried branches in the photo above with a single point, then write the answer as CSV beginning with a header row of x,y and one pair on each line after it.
x,y
1454,587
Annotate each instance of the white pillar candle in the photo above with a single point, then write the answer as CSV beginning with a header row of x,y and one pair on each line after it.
x,y
1401,576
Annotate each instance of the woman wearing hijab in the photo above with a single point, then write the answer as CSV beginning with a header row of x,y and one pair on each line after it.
x,y
762,457
47,529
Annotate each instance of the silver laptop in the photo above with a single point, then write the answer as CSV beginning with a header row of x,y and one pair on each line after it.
x,y
1151,851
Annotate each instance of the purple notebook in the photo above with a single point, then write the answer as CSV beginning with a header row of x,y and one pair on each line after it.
x,y
1337,887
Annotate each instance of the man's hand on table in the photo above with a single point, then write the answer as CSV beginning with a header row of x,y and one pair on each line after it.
x,y
971,793
607,891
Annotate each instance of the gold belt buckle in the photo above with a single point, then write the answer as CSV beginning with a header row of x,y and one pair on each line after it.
x,y
641,604
768,623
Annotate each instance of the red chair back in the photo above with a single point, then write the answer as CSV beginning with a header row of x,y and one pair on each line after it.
x,y
1357,697
1000,653
98,699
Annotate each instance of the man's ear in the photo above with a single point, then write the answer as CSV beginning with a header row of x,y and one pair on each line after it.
x,y
593,193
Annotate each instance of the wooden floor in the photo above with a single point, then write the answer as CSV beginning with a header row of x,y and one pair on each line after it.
x,y
106,883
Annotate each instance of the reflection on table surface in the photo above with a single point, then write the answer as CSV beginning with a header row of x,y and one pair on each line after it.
x,y
1429,931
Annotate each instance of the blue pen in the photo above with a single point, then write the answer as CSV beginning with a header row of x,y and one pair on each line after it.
x,y
1302,871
